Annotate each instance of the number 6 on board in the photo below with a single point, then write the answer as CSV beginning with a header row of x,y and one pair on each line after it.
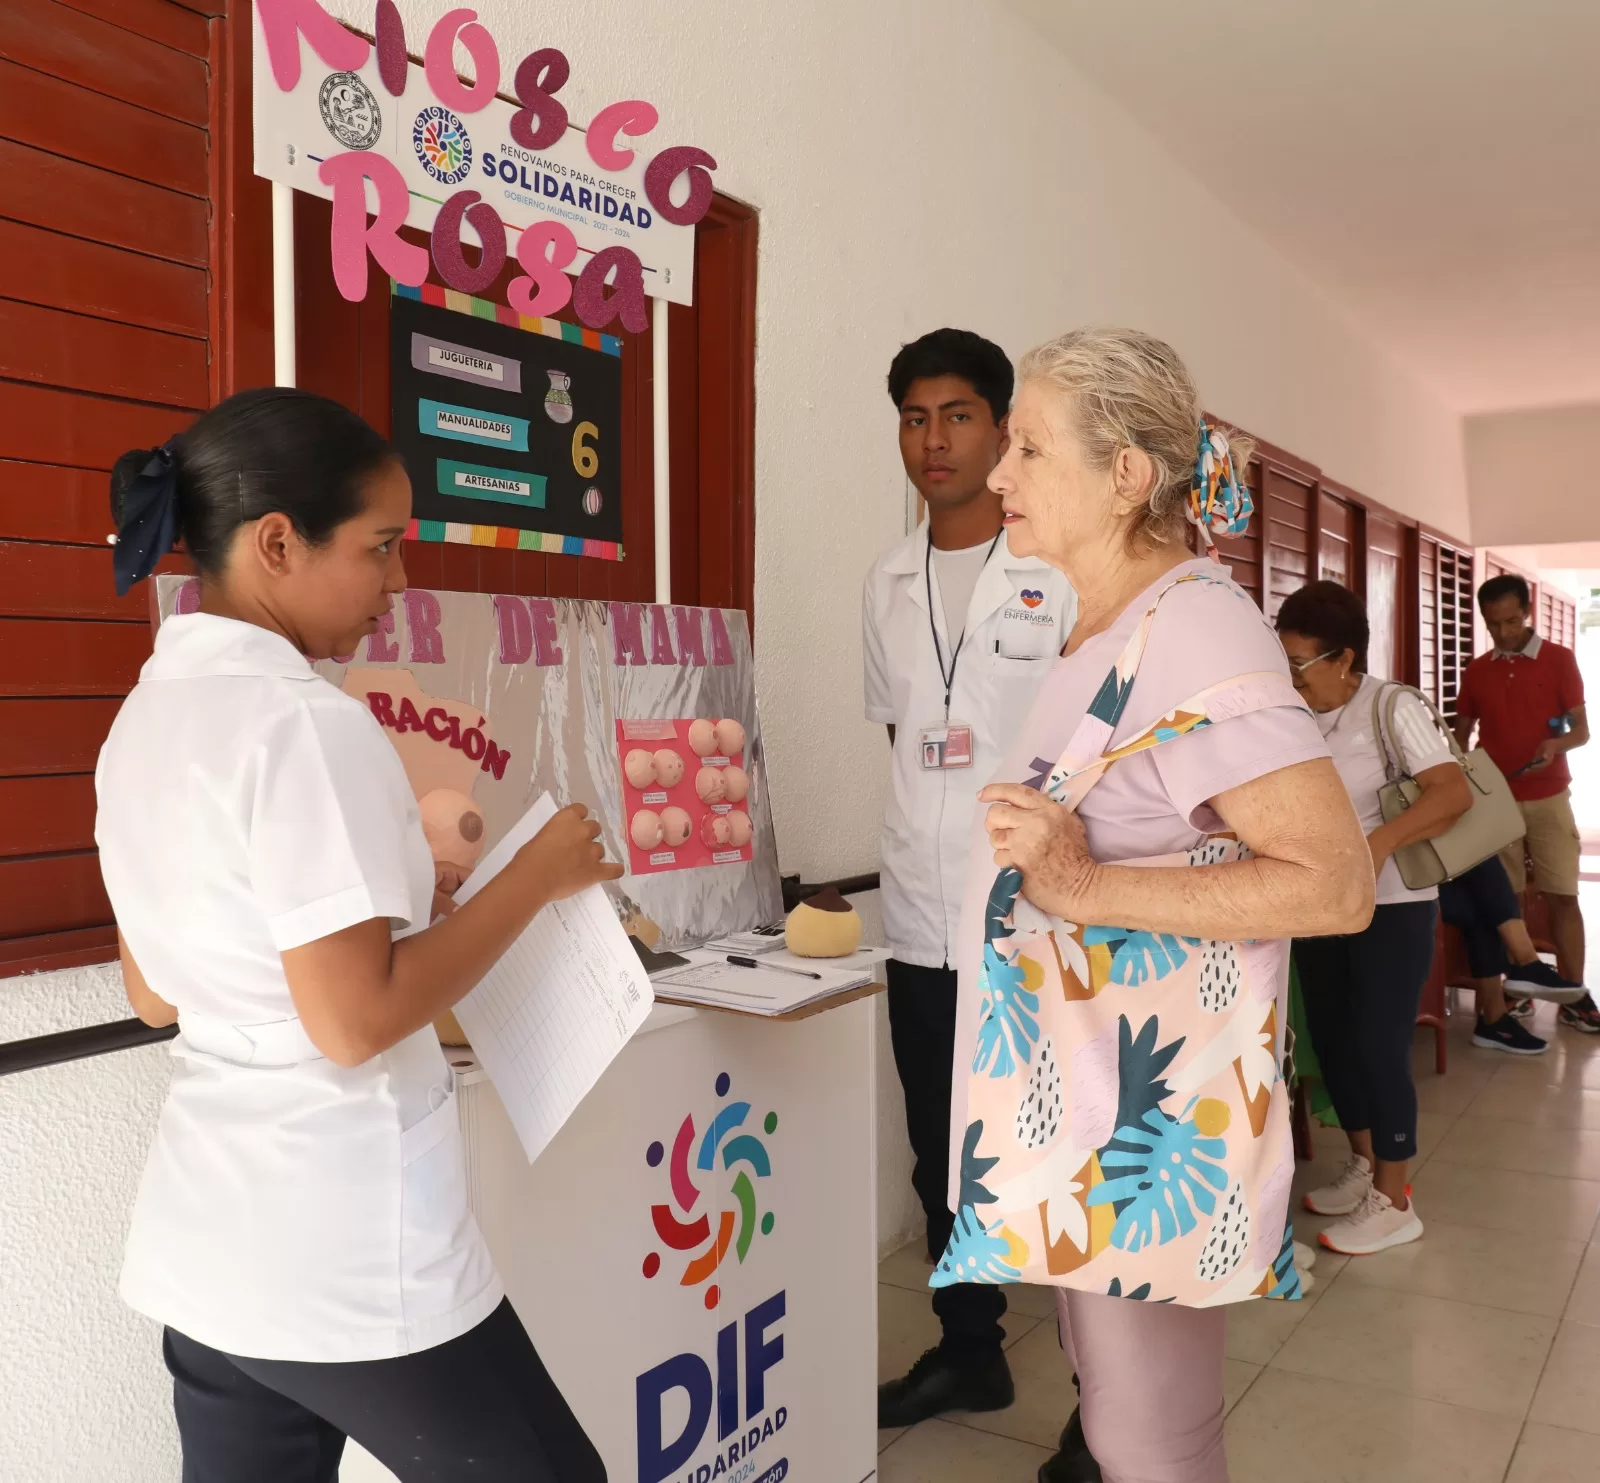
x,y
584,459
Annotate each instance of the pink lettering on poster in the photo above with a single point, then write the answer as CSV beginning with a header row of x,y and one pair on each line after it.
x,y
691,637
516,630
285,22
721,648
543,251
381,647
439,64
634,116
598,304
627,634
660,638
546,650
449,255
423,617
351,237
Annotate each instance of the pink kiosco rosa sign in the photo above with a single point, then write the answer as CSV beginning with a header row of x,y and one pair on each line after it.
x,y
355,121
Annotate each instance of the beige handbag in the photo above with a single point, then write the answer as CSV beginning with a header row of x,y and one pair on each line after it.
x,y
1488,826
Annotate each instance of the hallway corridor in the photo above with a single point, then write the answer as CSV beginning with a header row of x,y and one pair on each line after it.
x,y
1472,1356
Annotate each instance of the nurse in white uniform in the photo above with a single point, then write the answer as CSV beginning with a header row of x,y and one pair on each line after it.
x,y
302,1230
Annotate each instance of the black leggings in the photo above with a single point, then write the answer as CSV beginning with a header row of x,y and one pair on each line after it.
x,y
479,1407
1361,995
1475,904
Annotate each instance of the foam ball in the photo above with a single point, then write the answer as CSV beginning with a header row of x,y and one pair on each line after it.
x,y
730,737
739,828
452,826
825,926
711,785
716,832
645,830
669,767
702,738
675,827
735,784
640,768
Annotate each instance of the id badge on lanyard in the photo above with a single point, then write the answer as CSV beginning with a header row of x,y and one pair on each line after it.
x,y
945,746
949,746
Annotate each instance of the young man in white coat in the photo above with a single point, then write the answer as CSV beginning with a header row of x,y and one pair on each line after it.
x,y
958,635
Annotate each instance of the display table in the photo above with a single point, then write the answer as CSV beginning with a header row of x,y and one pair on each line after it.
x,y
695,1253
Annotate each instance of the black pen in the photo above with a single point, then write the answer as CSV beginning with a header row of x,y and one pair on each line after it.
x,y
775,967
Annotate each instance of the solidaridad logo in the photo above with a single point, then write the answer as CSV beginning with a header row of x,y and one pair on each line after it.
x,y
688,1233
442,144
350,112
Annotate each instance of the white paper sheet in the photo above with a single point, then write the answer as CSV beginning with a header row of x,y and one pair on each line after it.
x,y
554,1012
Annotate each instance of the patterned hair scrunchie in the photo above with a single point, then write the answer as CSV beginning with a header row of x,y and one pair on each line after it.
x,y
1218,502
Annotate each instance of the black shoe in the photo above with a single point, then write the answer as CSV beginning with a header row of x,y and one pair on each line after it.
x,y
942,1381
1538,980
1073,1463
1507,1035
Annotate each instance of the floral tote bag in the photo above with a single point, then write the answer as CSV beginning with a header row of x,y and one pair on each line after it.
x,y
1127,1121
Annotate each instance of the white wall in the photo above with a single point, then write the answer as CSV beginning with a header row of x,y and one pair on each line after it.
x,y
914,165
1532,477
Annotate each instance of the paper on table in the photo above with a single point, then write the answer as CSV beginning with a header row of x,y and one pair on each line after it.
x,y
556,1009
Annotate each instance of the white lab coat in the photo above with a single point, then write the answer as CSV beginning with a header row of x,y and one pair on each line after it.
x,y
1021,612
290,1208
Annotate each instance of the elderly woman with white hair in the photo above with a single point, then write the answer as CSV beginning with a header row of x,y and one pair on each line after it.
x,y
1167,819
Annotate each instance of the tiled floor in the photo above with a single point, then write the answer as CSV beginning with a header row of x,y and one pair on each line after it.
x,y
1472,1356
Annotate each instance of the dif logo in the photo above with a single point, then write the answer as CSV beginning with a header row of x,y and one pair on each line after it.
x,y
659,1458
687,1230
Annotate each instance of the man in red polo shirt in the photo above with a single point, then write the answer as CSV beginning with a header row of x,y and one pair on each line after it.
x,y
1526,696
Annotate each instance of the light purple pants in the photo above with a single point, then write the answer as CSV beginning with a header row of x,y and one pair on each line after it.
x,y
1151,1386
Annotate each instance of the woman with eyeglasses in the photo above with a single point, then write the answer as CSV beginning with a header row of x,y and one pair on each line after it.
x,y
1362,991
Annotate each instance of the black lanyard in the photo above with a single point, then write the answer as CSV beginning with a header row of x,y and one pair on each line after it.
x,y
938,648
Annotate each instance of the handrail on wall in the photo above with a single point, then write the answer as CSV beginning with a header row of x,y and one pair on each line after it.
x,y
100,1040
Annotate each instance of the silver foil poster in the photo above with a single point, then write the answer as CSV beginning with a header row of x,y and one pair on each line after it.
x,y
492,700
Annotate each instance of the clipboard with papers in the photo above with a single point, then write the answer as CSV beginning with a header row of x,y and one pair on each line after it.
x,y
778,985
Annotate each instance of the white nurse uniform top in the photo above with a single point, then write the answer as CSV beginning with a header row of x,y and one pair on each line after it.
x,y
291,1208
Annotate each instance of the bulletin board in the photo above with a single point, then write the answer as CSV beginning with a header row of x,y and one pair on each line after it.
x,y
510,427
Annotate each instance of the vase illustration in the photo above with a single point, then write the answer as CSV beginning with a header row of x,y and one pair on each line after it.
x,y
558,400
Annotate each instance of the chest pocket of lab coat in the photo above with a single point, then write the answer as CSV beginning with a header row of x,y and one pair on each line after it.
x,y
1025,646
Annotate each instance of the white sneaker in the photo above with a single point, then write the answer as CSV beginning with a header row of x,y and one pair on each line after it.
x,y
1376,1226
1308,1281
1305,1257
1345,1193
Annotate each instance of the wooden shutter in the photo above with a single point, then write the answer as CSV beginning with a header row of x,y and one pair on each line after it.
x,y
1385,575
1557,616
1337,541
1288,523
108,238
1456,606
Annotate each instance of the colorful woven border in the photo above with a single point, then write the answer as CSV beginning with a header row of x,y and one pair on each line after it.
x,y
503,538
555,329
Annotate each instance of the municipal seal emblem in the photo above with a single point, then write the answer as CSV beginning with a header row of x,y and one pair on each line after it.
x,y
350,111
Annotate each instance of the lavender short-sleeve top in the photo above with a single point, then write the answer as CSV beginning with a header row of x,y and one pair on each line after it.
x,y
1154,803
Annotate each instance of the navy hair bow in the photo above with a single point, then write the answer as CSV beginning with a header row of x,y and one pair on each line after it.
x,y
147,524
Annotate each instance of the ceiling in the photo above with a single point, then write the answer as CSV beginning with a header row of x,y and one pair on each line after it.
x,y
1433,164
